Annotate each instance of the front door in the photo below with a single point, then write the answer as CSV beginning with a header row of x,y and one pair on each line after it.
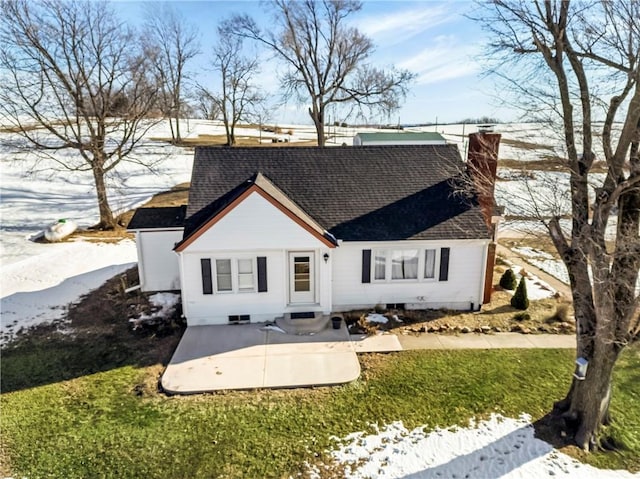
x,y
301,278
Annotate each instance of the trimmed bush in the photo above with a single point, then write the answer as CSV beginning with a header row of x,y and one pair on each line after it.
x,y
508,280
520,300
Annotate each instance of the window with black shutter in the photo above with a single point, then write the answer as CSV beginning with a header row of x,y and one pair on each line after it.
x,y
444,264
207,283
262,274
366,266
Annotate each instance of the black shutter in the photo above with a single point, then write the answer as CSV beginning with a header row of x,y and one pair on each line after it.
x,y
366,266
444,264
207,284
262,274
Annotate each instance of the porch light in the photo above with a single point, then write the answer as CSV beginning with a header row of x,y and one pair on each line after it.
x,y
581,369
326,257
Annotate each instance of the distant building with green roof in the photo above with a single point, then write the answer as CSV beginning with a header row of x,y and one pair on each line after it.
x,y
399,138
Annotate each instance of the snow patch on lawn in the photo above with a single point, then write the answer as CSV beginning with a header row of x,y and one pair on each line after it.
x,y
376,318
545,261
164,301
38,289
164,305
271,327
498,447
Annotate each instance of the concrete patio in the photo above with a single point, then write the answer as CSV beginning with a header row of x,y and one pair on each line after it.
x,y
250,356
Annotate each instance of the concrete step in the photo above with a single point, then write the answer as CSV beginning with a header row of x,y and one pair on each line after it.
x,y
315,323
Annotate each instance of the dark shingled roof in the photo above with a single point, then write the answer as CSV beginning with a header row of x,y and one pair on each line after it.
x,y
368,193
158,218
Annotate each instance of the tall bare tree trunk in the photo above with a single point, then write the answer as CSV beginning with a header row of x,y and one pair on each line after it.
x,y
173,134
177,103
586,407
178,138
317,115
107,221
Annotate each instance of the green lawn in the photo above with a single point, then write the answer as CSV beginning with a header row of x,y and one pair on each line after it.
x,y
114,423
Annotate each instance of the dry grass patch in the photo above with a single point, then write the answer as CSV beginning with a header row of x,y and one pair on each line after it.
x,y
96,336
544,163
525,145
549,163
176,196
541,243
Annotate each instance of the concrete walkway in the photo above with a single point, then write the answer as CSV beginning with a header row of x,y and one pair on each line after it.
x,y
250,356
487,341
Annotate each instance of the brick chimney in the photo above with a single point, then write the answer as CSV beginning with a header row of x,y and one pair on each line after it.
x,y
482,164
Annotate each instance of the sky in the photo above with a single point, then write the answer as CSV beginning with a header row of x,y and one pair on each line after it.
x,y
433,39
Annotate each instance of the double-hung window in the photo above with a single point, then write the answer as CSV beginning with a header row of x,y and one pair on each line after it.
x,y
223,275
380,265
235,275
246,280
430,263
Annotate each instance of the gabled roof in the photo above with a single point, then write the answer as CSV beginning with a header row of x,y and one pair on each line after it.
x,y
208,216
366,193
158,218
402,136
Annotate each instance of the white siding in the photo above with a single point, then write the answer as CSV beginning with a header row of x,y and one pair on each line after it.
x,y
463,287
253,228
257,228
215,308
252,225
157,263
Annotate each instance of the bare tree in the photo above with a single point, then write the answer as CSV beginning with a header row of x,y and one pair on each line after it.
x,y
74,79
206,105
327,59
238,97
559,56
171,43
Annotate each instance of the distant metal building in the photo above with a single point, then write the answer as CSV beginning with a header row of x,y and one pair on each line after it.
x,y
399,138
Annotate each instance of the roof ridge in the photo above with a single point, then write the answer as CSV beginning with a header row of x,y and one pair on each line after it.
x,y
269,187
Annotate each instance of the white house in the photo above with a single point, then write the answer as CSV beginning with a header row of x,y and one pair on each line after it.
x,y
270,232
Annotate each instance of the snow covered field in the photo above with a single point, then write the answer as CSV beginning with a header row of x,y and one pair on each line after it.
x,y
37,289
39,280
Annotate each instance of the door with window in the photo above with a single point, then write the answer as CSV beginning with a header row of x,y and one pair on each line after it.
x,y
302,277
